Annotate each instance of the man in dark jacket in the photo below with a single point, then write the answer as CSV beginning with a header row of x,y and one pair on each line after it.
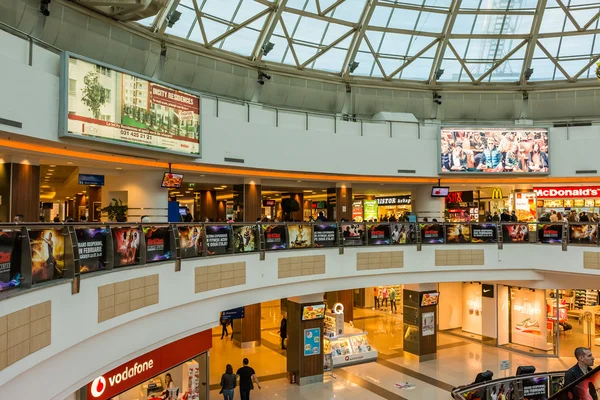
x,y
513,216
283,331
504,217
585,361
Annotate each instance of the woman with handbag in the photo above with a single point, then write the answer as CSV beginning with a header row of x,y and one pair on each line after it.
x,y
228,383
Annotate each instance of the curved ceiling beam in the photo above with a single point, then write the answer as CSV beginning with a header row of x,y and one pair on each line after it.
x,y
358,36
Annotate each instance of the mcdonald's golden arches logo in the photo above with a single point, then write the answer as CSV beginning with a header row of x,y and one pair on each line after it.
x,y
496,194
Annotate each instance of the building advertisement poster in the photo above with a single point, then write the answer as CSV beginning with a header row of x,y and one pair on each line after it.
x,y
158,243
91,243
428,324
117,107
312,341
370,208
47,254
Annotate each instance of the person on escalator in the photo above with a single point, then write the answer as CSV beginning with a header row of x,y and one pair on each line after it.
x,y
585,361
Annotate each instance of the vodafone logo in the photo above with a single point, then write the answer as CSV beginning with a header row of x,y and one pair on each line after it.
x,y
98,386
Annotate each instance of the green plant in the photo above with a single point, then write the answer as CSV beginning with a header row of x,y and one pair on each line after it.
x,y
117,211
94,94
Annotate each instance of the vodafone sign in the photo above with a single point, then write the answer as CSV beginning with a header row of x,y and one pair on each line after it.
x,y
568,192
149,365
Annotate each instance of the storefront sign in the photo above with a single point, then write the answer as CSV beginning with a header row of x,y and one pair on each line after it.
x,y
483,233
268,203
87,179
143,368
388,201
563,192
158,243
459,197
338,308
324,235
357,211
378,234
497,194
91,243
550,233
275,237
487,291
312,341
217,239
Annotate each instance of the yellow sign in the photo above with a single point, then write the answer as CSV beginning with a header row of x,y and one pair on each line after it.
x,y
497,194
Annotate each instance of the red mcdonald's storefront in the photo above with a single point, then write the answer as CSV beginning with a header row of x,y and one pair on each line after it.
x,y
185,361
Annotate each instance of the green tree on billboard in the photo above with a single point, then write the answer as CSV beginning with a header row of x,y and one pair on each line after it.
x,y
94,94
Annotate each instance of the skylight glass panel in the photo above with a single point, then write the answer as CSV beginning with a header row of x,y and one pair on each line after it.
x,y
543,69
243,41
213,29
381,16
572,67
182,27
247,10
417,70
278,51
553,22
395,44
223,9
463,23
331,61
404,19
508,71
438,3
309,30
147,21
523,5
452,69
366,62
576,45
349,10
517,24
431,22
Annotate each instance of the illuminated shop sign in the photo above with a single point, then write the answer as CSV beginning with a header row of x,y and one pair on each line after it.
x,y
459,197
567,192
384,201
527,308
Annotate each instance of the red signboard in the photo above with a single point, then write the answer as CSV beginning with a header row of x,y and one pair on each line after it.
x,y
567,192
149,365
459,197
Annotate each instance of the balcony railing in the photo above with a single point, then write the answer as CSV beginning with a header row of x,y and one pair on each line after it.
x,y
35,254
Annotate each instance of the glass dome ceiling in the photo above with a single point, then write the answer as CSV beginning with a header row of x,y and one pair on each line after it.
x,y
501,42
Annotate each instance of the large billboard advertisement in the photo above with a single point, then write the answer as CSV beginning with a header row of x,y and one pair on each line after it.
x,y
114,106
494,150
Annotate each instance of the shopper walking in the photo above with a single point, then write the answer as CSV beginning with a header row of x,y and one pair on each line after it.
x,y
224,323
228,383
283,331
384,294
247,377
376,297
393,307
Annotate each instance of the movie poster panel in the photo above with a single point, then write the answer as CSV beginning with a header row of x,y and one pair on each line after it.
x,y
275,237
432,233
353,234
325,235
217,239
584,388
458,233
402,233
126,243
244,238
158,243
515,233
550,233
47,254
483,233
494,150
583,234
9,268
535,388
504,390
190,240
299,236
378,234
91,243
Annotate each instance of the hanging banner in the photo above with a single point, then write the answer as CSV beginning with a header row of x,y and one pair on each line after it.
x,y
432,233
299,236
158,243
217,239
515,233
91,243
275,237
126,243
583,234
378,234
190,240
370,208
483,233
353,234
402,233
7,243
357,211
458,233
47,254
550,233
324,235
244,238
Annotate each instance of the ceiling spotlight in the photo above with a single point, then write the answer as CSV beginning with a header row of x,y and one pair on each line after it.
x,y
172,18
267,47
262,76
353,65
528,73
44,7
439,73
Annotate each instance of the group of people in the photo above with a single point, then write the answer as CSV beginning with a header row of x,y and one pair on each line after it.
x,y
381,299
247,379
494,151
503,217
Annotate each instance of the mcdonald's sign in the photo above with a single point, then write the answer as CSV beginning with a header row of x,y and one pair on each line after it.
x,y
497,194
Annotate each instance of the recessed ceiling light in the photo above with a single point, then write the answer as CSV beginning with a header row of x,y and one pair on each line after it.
x,y
69,162
52,166
51,170
307,191
324,190
79,194
67,198
223,186
179,195
219,188
299,181
314,192
85,191
45,186
119,168
187,191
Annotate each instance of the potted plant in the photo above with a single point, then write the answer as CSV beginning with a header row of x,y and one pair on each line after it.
x,y
117,211
289,206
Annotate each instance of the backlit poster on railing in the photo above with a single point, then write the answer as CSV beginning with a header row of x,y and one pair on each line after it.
x,y
106,104
324,235
584,388
190,240
353,234
535,388
244,238
504,390
378,234
91,243
275,237
432,233
458,233
402,233
126,243
299,236
515,233
217,239
47,254
583,234
158,243
550,233
483,233
8,274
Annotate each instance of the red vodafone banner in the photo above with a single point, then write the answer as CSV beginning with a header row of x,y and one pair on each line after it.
x,y
144,367
567,192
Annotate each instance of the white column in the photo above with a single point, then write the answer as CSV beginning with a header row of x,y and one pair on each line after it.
x,y
141,191
425,206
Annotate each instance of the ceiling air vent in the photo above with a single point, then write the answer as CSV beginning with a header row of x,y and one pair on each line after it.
x,y
571,124
586,171
235,160
407,171
10,122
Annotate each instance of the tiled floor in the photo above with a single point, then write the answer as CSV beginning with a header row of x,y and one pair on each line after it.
x,y
458,362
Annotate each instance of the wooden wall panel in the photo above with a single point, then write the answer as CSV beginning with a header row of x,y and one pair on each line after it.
x,y
26,191
94,196
346,297
5,193
294,342
222,210
251,324
344,199
252,202
208,204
